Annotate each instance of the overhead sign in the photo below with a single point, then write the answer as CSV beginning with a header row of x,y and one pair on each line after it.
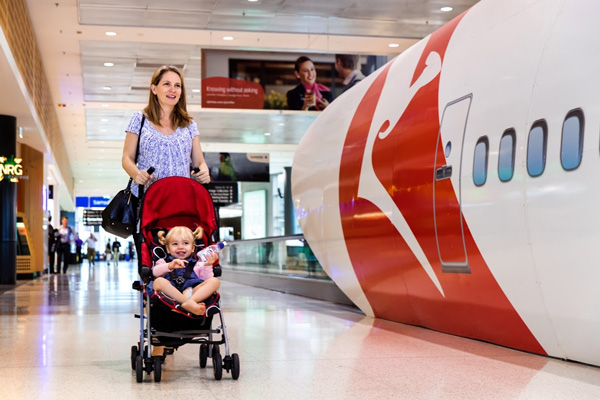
x,y
92,217
99,201
223,193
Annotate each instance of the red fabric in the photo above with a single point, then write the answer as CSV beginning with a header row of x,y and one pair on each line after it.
x,y
175,201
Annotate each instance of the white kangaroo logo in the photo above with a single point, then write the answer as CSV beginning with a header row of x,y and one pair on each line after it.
x,y
369,186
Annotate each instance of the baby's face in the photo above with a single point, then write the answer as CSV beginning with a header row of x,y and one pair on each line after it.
x,y
180,247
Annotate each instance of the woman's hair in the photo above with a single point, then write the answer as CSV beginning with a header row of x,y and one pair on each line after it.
x,y
179,232
179,116
301,60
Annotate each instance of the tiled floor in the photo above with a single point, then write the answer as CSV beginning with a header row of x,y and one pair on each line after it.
x,y
69,337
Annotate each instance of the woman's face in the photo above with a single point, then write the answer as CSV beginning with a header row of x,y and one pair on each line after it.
x,y
64,222
307,73
180,247
168,90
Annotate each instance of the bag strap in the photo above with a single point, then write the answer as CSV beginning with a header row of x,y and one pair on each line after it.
x,y
137,149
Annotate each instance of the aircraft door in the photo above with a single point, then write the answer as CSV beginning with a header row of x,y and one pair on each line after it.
x,y
447,213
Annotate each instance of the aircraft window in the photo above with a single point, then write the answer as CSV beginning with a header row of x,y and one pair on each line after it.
x,y
536,148
448,149
571,148
506,157
480,161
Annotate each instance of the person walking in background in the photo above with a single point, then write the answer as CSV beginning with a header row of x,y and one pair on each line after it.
x,y
348,67
51,245
91,249
308,95
116,246
65,236
78,245
107,252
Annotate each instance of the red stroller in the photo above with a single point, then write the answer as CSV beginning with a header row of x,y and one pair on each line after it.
x,y
169,202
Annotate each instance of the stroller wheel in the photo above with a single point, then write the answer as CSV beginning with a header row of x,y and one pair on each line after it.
x,y
134,353
217,365
139,369
203,355
157,368
235,366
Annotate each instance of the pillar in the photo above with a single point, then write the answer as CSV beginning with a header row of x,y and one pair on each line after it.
x,y
288,203
8,205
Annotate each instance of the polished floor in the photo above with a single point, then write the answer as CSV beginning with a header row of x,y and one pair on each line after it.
x,y
69,337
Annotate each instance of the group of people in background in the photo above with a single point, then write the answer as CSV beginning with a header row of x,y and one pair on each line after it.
x,y
312,96
59,247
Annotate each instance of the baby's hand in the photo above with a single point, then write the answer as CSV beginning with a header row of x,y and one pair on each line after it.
x,y
211,258
177,263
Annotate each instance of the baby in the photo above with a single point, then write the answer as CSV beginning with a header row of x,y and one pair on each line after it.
x,y
181,275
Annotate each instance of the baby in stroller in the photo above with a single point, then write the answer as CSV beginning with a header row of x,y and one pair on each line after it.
x,y
181,275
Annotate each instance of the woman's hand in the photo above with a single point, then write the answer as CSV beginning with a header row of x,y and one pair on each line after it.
x,y
202,176
176,264
143,177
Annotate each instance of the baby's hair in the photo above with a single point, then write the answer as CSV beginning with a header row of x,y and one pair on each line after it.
x,y
179,231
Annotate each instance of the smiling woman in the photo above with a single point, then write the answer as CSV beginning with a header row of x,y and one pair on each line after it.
x,y
168,140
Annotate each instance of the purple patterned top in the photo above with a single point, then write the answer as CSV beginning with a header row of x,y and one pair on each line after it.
x,y
170,155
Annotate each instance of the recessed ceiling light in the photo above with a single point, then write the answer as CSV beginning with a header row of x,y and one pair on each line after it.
x,y
252,1
105,105
108,64
227,37
196,90
446,9
393,45
111,33
267,133
104,120
106,88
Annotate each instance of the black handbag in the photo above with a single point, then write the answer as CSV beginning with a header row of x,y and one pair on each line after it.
x,y
120,215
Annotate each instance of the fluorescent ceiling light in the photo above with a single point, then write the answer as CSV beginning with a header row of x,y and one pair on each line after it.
x,y
109,64
446,9
227,37
111,33
393,45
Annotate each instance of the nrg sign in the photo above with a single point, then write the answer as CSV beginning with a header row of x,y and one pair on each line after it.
x,y
11,169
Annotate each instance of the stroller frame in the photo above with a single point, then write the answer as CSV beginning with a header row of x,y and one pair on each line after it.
x,y
192,330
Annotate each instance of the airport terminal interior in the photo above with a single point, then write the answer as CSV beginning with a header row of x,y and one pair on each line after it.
x,y
75,72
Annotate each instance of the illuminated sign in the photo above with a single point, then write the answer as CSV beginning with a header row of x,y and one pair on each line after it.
x,y
11,169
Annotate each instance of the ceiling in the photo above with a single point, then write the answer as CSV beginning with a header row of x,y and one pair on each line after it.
x,y
72,40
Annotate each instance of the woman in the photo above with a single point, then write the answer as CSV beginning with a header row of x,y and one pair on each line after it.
x,y
308,95
64,237
169,139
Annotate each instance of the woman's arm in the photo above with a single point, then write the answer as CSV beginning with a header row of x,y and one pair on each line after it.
x,y
128,161
203,176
